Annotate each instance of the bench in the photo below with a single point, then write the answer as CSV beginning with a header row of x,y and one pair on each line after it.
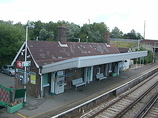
x,y
100,76
78,82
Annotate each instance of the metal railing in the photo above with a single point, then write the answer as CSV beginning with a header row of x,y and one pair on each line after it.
x,y
6,95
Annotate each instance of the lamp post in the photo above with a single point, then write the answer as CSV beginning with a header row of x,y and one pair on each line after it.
x,y
138,44
25,60
144,28
89,21
88,31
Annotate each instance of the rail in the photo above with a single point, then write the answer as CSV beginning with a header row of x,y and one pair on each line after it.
x,y
147,107
117,100
135,102
91,100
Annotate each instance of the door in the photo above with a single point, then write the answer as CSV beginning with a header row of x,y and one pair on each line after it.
x,y
88,73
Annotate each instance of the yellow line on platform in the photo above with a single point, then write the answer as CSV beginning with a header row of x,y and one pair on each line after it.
x,y
21,115
50,110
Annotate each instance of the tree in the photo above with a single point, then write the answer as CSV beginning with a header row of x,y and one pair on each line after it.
x,y
38,26
150,56
139,36
116,33
11,38
73,31
98,31
45,35
133,35
93,32
52,27
84,32
50,36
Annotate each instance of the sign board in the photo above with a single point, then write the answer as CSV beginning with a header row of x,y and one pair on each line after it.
x,y
20,93
19,64
33,79
26,63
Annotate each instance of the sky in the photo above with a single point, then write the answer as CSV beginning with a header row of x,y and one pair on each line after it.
x,y
124,14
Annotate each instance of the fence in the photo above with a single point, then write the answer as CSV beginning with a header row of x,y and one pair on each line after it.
x,y
6,95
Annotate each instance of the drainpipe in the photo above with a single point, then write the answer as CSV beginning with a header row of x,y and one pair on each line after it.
x,y
41,88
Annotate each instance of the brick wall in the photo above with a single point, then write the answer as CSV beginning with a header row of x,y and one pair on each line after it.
x,y
72,74
32,89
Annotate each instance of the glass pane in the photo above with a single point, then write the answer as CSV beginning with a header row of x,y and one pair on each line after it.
x,y
45,79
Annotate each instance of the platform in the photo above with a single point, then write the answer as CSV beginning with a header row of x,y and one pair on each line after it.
x,y
41,108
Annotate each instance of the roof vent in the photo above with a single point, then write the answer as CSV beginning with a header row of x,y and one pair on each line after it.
x,y
107,45
60,57
62,45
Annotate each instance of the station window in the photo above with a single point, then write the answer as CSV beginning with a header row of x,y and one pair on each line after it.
x,y
45,80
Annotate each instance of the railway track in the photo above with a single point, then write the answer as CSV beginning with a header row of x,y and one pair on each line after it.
x,y
125,104
151,109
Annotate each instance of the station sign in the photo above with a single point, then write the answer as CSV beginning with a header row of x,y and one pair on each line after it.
x,y
21,64
26,63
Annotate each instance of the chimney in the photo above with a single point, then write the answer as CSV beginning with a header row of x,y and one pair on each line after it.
x,y
107,38
62,34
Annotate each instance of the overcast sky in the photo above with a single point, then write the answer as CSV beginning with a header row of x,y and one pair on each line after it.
x,y
124,14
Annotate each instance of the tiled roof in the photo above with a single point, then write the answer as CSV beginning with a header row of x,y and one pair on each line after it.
x,y
47,52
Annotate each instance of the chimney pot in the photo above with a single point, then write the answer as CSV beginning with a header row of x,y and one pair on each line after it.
x,y
107,38
62,34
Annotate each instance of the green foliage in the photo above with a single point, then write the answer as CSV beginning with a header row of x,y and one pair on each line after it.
x,y
132,35
11,38
45,35
150,56
93,32
123,44
72,31
116,33
147,59
13,35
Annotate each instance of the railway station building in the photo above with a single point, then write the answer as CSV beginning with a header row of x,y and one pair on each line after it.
x,y
52,67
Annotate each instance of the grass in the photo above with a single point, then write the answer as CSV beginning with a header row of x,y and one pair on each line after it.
x,y
119,44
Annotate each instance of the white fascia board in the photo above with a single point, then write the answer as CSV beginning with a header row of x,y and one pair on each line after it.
x,y
18,53
96,60
62,65
91,61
